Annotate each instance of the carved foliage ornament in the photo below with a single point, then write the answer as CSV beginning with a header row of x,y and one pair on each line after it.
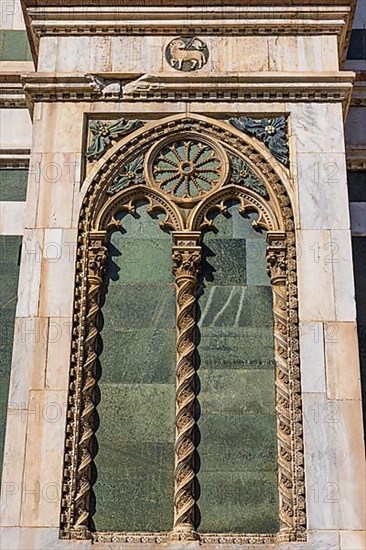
x,y
77,486
187,53
131,174
104,133
242,175
271,131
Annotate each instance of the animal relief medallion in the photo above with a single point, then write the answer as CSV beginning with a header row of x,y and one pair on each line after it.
x,y
187,54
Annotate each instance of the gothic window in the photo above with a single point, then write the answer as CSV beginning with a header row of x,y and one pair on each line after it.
x,y
184,408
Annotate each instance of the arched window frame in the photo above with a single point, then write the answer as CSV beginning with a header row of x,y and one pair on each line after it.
x,y
96,222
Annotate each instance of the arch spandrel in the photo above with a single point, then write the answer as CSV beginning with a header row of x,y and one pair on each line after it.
x,y
193,186
144,140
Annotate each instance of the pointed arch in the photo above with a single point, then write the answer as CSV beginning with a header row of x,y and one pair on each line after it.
x,y
102,200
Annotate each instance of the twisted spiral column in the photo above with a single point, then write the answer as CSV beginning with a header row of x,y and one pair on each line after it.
x,y
186,267
277,269
97,258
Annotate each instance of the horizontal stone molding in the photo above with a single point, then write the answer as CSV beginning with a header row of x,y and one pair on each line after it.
x,y
222,18
253,87
356,159
11,91
359,91
14,159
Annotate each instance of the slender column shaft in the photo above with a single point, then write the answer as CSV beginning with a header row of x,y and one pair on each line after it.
x,y
186,267
97,258
277,269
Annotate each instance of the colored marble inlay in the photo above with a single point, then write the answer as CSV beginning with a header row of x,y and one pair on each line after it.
x,y
134,489
237,427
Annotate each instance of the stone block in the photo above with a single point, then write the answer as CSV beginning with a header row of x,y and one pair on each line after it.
x,y
353,540
315,276
30,348
30,273
340,256
334,451
58,273
12,218
342,360
58,177
312,357
58,353
43,459
322,190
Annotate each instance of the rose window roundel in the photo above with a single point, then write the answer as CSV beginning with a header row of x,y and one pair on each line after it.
x,y
187,168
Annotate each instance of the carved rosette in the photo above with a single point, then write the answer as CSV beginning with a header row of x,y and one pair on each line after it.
x,y
186,267
96,268
277,270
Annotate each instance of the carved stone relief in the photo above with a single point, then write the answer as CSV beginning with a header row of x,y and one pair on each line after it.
x,y
186,170
271,131
187,53
103,134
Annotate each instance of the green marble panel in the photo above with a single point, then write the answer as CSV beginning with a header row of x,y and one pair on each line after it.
x,y
248,392
256,262
237,426
136,412
237,347
141,305
13,185
235,306
9,271
150,261
225,261
153,368
242,501
14,46
135,461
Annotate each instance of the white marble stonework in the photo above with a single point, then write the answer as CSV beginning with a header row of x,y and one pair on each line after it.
x,y
144,54
15,129
307,63
12,217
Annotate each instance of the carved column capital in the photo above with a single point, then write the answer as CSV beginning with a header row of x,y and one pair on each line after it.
x,y
187,254
276,257
98,255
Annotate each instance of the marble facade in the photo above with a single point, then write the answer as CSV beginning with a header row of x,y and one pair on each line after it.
x,y
266,60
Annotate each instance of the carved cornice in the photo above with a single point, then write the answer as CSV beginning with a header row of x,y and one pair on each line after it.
x,y
358,98
11,91
14,159
224,18
249,87
356,158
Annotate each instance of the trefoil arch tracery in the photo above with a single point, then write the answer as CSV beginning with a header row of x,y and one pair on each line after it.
x,y
187,170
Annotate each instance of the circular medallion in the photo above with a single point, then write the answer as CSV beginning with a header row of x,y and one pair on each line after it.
x,y
187,168
187,53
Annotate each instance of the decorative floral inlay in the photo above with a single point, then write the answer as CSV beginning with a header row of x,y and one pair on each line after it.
x,y
271,131
187,169
131,174
242,175
103,134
